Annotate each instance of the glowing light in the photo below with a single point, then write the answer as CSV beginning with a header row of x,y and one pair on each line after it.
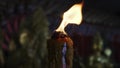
x,y
73,15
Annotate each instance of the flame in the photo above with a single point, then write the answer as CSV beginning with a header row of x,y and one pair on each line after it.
x,y
73,15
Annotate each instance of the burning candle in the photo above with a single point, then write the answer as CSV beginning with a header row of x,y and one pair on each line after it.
x,y
60,46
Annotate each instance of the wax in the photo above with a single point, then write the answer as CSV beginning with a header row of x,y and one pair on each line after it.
x,y
55,51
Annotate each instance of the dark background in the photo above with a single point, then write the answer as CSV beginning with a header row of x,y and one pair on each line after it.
x,y
101,16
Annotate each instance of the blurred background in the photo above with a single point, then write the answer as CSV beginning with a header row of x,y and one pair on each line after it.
x,y
99,16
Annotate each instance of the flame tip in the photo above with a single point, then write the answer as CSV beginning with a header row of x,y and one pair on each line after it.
x,y
73,15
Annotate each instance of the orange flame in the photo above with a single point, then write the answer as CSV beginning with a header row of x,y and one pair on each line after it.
x,y
73,15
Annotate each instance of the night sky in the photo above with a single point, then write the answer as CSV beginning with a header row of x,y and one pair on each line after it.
x,y
107,5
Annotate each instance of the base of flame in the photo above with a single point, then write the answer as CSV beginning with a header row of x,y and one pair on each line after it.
x,y
55,47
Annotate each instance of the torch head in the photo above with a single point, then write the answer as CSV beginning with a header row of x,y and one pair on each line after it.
x,y
57,35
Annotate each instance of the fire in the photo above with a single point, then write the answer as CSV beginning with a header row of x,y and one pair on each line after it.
x,y
73,15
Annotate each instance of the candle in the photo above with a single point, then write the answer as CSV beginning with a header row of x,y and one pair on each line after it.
x,y
60,51
60,46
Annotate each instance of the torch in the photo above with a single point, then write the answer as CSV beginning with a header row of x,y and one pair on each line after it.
x,y
60,45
